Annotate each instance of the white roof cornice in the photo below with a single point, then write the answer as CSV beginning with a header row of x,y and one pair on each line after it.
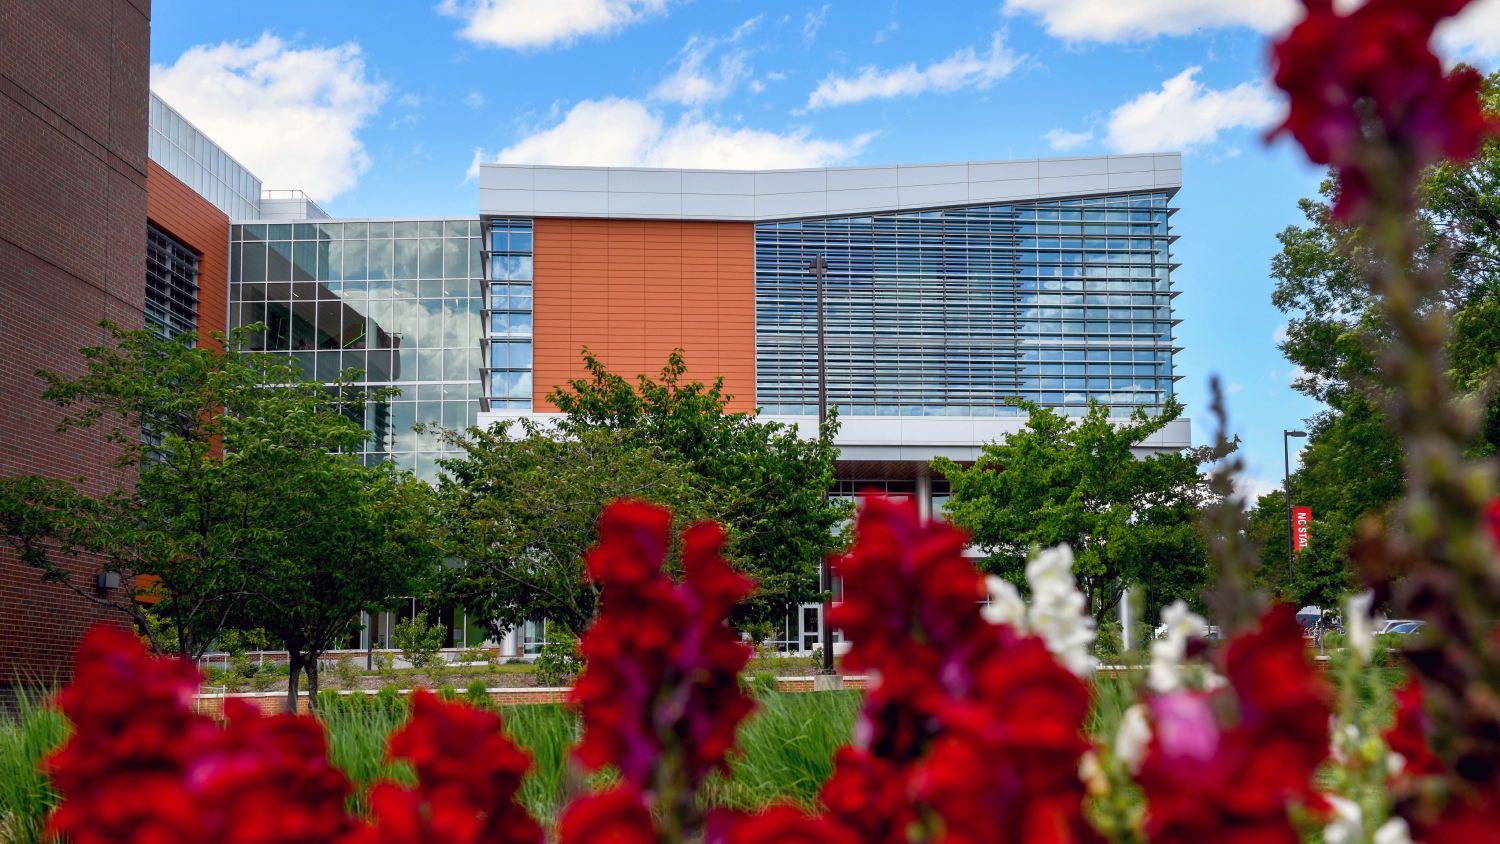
x,y
526,190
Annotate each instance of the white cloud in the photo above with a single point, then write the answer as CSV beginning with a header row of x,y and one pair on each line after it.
x,y
412,99
1248,488
693,84
960,70
619,132
474,99
1063,140
1185,113
523,24
1473,34
1127,20
887,31
814,23
1234,387
291,116
1280,335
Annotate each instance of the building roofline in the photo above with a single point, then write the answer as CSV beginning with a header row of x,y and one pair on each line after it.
x,y
529,190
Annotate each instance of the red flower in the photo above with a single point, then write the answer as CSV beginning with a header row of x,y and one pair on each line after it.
x,y
972,732
1343,71
120,773
1408,736
268,781
618,816
141,766
1209,778
662,663
781,825
468,774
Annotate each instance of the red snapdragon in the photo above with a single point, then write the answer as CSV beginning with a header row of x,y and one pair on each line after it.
x,y
662,673
1224,766
1369,97
972,731
660,698
142,767
468,774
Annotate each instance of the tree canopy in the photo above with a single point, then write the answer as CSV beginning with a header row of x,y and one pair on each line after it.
x,y
1351,466
521,506
215,450
1130,517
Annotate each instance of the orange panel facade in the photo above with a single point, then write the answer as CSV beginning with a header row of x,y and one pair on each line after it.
x,y
199,225
633,290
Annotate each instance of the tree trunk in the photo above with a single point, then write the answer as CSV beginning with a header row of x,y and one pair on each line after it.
x,y
294,666
312,682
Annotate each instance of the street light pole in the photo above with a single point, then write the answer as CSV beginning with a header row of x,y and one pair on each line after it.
x,y
1286,459
819,268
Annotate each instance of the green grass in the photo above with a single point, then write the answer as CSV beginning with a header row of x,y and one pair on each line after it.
x,y
787,749
25,795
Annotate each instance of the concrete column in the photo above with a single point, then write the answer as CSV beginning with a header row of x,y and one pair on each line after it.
x,y
924,496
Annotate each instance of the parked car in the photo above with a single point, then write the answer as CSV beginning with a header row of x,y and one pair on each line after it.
x,y
1402,625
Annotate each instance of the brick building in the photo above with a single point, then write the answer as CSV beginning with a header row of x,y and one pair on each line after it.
x,y
111,207
73,174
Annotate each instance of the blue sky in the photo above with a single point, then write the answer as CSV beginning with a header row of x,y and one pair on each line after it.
x,y
382,109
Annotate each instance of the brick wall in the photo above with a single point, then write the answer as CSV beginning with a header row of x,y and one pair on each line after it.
x,y
633,290
195,222
73,100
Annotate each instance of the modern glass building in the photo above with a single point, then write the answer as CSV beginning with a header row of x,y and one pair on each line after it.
x,y
950,289
951,312
402,300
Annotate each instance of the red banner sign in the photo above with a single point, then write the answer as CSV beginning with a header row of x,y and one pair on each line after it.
x,y
1301,516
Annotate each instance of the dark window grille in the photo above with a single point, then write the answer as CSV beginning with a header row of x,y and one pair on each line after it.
x,y
171,286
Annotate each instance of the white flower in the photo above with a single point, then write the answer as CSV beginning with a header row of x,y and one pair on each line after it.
x,y
1058,610
1357,624
1393,831
1133,737
1347,824
1005,606
1169,651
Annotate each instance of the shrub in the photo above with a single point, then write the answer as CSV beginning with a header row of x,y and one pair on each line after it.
x,y
264,677
346,673
559,661
421,645
330,700
477,695
388,699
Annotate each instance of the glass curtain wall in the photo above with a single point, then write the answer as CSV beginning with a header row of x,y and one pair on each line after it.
x,y
507,351
401,300
188,154
948,313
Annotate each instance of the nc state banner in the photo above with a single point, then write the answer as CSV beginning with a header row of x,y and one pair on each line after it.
x,y
1301,517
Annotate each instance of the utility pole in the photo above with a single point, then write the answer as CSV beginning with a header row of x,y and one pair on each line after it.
x,y
819,268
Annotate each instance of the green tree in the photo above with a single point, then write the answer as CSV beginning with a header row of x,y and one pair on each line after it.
x,y
204,439
1130,518
520,513
771,482
349,537
1352,464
